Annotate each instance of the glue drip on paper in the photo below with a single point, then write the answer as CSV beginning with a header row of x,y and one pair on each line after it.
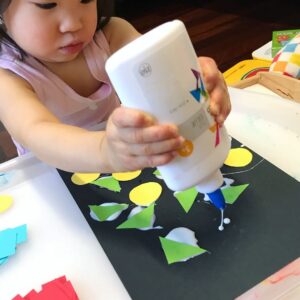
x,y
237,157
218,200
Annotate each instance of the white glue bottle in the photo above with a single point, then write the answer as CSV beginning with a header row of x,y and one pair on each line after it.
x,y
159,73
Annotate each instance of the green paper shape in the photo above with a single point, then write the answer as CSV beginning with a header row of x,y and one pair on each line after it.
x,y
156,172
186,198
109,183
140,220
176,251
104,212
232,193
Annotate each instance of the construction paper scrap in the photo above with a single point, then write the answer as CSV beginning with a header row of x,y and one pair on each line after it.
x,y
3,260
9,238
84,178
3,179
58,289
145,193
126,176
180,245
238,157
186,198
6,202
157,174
8,242
18,297
141,219
107,211
21,233
231,194
109,183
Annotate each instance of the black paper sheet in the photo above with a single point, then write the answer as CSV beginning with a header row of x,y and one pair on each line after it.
x,y
264,235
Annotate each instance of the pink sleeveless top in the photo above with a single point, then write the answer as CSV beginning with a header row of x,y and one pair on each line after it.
x,y
68,106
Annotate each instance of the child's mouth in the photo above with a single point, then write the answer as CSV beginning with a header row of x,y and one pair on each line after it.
x,y
72,48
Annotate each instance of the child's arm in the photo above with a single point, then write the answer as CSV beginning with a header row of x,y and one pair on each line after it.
x,y
129,142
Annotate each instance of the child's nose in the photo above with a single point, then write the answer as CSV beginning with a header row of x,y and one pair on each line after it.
x,y
71,23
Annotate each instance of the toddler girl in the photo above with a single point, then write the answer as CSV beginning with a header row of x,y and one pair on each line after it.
x,y
56,99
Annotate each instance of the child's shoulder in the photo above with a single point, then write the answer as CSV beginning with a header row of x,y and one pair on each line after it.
x,y
119,32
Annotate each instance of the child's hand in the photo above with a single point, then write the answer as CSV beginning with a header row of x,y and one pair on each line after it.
x,y
219,98
134,140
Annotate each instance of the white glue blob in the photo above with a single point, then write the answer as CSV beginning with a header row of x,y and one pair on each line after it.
x,y
223,221
138,209
183,235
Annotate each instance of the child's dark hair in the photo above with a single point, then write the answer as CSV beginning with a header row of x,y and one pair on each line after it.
x,y
105,9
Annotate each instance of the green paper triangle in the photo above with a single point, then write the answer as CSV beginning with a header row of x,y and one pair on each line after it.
x,y
186,198
104,212
156,172
232,193
140,220
176,251
109,183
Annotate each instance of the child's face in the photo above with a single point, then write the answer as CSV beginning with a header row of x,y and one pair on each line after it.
x,y
51,30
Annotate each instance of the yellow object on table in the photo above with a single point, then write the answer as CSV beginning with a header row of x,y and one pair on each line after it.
x,y
245,69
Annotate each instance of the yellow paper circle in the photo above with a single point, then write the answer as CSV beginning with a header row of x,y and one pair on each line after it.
x,y
5,202
84,178
146,193
238,157
126,176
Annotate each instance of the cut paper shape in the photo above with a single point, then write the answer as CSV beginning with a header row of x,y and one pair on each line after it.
x,y
238,157
157,174
142,219
84,178
109,183
9,239
5,202
180,245
186,198
145,193
58,289
231,194
107,211
3,179
126,176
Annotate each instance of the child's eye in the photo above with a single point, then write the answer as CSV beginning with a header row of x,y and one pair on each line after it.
x,y
46,5
86,1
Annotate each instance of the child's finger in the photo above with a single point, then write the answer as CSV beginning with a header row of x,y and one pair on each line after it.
x,y
149,134
215,84
141,162
150,149
128,117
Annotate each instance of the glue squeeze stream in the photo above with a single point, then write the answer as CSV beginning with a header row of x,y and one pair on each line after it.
x,y
159,73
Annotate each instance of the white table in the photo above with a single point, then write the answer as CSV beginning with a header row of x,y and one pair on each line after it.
x,y
60,242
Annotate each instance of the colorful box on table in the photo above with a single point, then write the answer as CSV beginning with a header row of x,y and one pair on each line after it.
x,y
281,38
